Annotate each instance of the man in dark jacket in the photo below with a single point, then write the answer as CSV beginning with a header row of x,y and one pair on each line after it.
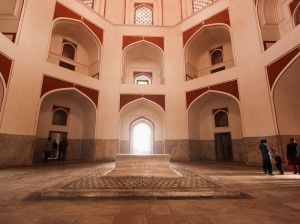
x,y
291,154
267,162
62,148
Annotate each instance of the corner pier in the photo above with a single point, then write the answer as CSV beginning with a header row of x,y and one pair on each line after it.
x,y
150,165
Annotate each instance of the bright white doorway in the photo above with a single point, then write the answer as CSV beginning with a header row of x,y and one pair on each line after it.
x,y
141,137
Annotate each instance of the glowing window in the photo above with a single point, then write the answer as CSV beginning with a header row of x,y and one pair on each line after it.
x,y
143,15
216,57
199,4
221,119
89,3
142,79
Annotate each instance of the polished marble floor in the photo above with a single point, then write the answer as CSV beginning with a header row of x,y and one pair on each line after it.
x,y
265,199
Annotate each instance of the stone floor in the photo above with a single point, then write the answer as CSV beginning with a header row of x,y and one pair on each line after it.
x,y
265,199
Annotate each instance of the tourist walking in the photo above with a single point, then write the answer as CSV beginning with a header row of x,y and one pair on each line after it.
x,y
267,161
291,154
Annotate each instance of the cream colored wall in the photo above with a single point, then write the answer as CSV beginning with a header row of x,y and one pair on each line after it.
x,y
21,108
10,12
114,11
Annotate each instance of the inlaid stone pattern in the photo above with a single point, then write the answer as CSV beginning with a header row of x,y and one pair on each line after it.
x,y
98,180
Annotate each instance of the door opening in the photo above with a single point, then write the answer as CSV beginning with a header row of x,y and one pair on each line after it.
x,y
223,146
56,136
141,138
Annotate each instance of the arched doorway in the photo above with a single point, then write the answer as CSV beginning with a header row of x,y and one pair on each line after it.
x,y
142,121
208,51
142,57
215,128
141,140
287,103
66,114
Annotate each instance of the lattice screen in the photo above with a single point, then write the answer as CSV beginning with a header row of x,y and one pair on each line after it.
x,y
199,4
89,3
143,16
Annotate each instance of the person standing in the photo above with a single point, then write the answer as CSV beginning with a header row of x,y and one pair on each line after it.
x,y
54,149
267,161
291,154
63,145
278,163
47,150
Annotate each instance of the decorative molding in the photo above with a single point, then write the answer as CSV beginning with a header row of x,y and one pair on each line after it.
x,y
158,41
230,87
275,68
127,98
222,17
50,84
62,11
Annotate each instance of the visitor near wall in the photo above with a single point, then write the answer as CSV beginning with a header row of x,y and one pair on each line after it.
x,y
63,145
291,154
278,163
47,150
266,155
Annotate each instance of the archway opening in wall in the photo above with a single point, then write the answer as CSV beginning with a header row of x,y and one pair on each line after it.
x,y
287,102
141,138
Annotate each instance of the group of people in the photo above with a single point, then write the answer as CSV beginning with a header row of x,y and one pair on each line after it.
x,y
292,154
52,147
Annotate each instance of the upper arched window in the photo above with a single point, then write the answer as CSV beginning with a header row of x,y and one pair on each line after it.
x,y
142,79
297,16
216,57
89,3
69,50
221,119
60,117
143,15
199,4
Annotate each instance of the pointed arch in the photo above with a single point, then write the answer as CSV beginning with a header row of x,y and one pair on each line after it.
x,y
87,46
199,48
142,56
147,110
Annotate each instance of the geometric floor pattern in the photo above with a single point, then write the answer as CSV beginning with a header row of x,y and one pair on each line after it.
x,y
98,180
